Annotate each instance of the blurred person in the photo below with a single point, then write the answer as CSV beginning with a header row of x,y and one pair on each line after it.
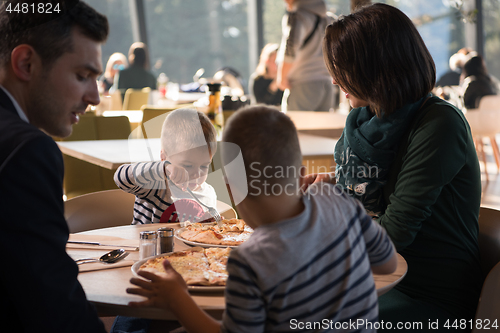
x,y
410,159
116,62
476,81
49,64
263,87
310,257
137,75
302,73
456,63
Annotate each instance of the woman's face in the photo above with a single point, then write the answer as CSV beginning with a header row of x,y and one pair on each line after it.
x,y
354,101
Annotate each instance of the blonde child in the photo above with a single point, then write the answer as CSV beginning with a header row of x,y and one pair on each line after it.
x,y
188,144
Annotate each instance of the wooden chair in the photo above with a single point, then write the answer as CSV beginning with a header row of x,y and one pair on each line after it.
x,y
81,177
489,249
485,122
489,302
152,121
489,238
134,99
99,210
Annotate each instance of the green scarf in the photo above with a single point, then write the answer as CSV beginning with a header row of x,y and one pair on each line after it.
x,y
366,150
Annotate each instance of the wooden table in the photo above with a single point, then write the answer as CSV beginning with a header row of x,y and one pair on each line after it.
x,y
110,154
106,288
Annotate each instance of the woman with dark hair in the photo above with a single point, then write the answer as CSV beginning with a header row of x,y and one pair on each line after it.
x,y
477,82
410,159
137,75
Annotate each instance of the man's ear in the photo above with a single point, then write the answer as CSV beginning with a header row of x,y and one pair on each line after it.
x,y
24,60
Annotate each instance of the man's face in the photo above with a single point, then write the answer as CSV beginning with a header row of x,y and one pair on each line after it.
x,y
59,94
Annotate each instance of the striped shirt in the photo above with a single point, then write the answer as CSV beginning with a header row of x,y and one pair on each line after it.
x,y
308,273
147,181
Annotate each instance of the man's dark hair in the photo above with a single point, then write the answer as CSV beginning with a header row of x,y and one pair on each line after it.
x,y
376,54
269,145
48,33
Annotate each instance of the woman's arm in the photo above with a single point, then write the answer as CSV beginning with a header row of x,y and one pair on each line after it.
x,y
435,154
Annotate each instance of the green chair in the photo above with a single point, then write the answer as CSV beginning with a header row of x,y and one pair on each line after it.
x,y
81,177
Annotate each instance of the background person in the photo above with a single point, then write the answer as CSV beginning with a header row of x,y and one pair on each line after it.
x,y
116,62
310,256
137,75
302,73
476,81
427,190
263,87
49,65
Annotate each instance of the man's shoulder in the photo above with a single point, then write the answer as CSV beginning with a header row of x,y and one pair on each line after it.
x,y
15,132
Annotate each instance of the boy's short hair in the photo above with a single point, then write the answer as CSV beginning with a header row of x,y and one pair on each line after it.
x,y
269,146
184,129
48,33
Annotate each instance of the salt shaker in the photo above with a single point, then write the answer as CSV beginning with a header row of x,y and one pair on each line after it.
x,y
147,245
165,240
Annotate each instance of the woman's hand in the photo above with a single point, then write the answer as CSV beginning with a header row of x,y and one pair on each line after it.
x,y
316,178
161,291
178,175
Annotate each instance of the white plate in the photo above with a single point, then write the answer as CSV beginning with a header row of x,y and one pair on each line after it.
x,y
136,267
181,230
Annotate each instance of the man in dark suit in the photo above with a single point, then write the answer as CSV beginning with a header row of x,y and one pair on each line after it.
x,y
49,64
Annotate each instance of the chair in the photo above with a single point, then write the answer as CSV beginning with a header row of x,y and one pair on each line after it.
x,y
489,249
485,122
134,99
81,177
96,210
489,301
152,129
489,238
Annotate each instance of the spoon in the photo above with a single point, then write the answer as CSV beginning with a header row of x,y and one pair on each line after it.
x,y
109,258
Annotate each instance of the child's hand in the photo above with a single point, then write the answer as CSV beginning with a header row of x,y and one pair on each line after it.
x,y
316,178
178,175
162,291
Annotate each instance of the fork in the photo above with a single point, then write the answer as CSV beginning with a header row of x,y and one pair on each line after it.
x,y
211,210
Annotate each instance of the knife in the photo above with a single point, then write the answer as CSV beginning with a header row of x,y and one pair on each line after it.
x,y
100,244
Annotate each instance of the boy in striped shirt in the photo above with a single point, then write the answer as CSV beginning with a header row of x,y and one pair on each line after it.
x,y
309,263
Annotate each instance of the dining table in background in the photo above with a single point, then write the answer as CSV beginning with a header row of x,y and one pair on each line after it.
x,y
106,289
317,152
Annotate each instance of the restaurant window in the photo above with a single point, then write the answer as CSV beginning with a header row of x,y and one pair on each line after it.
x,y
186,35
491,17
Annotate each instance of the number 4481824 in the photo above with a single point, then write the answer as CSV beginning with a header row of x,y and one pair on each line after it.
x,y
484,324
40,8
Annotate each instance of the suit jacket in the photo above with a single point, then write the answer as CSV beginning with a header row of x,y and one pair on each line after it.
x,y
39,287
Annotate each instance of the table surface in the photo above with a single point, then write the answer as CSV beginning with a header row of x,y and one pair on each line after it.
x,y
106,288
110,154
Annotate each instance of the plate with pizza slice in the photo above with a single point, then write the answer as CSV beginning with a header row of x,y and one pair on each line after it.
x,y
233,233
203,269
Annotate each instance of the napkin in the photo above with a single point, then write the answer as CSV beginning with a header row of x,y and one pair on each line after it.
x,y
96,266
108,242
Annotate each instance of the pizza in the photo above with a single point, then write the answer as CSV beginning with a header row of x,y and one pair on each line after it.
x,y
233,233
197,266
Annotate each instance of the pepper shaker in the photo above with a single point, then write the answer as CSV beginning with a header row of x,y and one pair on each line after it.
x,y
147,245
165,240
